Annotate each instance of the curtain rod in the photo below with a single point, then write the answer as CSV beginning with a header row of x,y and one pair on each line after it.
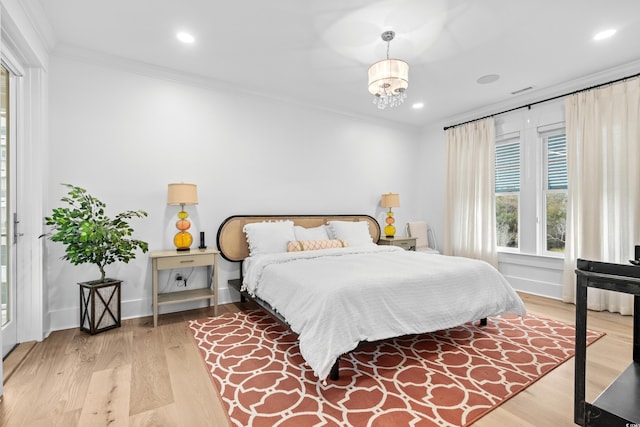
x,y
545,100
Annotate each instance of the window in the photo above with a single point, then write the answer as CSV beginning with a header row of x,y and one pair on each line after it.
x,y
507,188
555,191
531,190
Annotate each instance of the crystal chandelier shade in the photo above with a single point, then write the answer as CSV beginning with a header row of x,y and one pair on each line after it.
x,y
388,79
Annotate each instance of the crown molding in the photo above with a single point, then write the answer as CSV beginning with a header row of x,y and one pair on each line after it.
x,y
26,33
540,95
40,23
119,63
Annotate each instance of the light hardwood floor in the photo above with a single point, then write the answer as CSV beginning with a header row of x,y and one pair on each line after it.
x,y
140,376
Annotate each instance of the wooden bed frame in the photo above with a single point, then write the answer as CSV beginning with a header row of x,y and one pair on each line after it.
x,y
233,247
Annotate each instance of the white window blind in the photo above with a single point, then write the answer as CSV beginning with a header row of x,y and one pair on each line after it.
x,y
557,162
508,167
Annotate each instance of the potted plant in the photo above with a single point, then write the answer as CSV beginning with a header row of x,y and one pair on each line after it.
x,y
90,236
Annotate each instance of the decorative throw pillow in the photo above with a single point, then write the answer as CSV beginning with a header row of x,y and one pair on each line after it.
x,y
268,237
354,232
314,245
313,233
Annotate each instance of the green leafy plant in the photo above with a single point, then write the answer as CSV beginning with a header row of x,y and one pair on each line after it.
x,y
90,235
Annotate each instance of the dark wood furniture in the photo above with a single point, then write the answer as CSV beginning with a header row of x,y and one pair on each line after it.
x,y
619,404
100,305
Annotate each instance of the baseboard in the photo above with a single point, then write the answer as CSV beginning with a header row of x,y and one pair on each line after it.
x,y
69,318
543,289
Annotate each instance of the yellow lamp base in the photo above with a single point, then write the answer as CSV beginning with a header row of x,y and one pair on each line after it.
x,y
183,239
390,230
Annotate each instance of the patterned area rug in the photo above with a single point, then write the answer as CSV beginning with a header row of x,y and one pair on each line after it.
x,y
444,378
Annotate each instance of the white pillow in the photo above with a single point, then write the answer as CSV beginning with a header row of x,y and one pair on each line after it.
x,y
355,233
269,237
314,233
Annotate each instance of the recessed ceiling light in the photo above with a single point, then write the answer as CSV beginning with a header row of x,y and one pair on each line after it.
x,y
185,37
418,105
604,34
489,78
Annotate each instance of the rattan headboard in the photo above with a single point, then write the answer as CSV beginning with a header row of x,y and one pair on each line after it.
x,y
232,242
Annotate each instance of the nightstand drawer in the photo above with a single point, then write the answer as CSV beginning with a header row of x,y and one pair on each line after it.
x,y
185,261
405,244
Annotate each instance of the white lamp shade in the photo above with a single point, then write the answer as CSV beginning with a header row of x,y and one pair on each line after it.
x,y
390,200
182,194
390,76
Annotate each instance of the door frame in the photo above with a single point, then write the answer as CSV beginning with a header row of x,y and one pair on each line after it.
x,y
25,48
11,232
22,34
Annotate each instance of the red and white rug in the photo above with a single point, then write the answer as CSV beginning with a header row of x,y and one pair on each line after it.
x,y
444,378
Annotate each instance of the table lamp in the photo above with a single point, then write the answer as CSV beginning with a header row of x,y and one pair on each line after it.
x,y
182,194
391,200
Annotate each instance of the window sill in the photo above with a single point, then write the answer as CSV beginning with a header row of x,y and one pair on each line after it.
x,y
516,252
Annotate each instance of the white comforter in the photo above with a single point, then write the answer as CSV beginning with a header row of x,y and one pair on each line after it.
x,y
335,298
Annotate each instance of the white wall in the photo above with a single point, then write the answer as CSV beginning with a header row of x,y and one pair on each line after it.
x,y
431,179
124,136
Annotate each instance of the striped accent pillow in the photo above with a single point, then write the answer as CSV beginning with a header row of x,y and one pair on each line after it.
x,y
314,245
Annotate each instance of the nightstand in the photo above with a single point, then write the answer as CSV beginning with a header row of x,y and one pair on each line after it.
x,y
408,243
165,260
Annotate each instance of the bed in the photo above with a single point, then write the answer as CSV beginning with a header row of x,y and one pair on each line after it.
x,y
327,280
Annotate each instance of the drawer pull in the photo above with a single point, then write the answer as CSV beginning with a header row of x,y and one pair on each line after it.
x,y
186,261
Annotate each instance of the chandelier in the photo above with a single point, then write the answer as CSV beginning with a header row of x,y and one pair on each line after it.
x,y
389,78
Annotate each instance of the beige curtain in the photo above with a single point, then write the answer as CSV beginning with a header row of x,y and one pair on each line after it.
x,y
470,218
603,160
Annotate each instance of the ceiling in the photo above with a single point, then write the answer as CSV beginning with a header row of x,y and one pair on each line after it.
x,y
317,52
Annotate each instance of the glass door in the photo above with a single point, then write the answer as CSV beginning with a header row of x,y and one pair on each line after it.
x,y
7,219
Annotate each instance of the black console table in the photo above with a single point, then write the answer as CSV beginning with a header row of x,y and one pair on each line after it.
x,y
619,404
